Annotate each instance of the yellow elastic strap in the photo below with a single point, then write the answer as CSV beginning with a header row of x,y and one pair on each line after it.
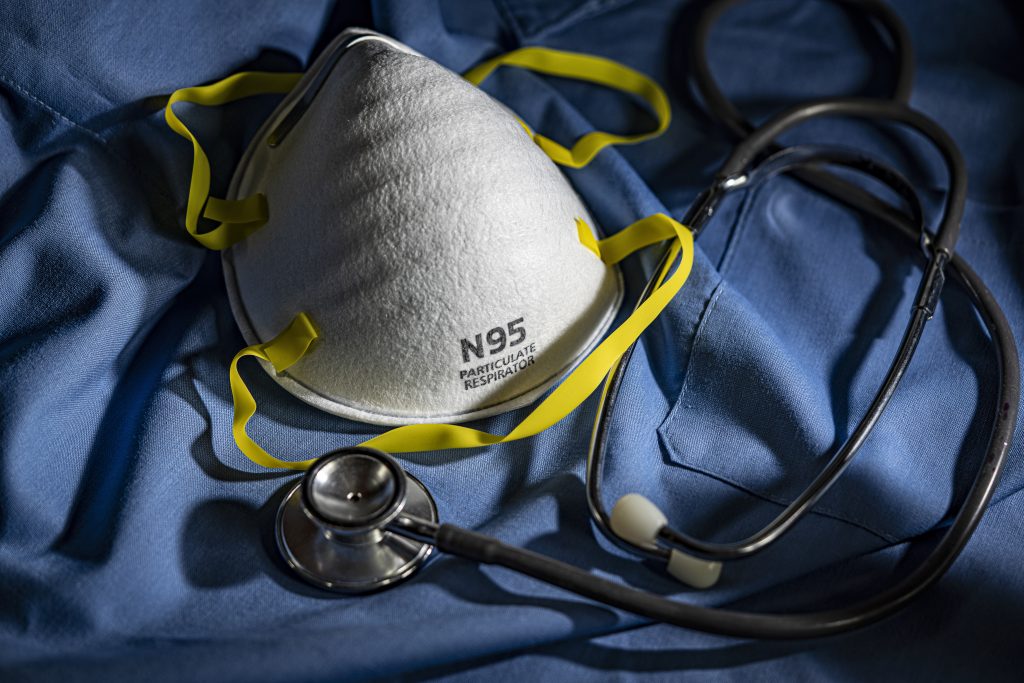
x,y
610,376
237,218
294,342
281,352
585,68
587,238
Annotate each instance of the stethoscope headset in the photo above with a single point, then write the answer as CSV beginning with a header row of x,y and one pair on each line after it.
x,y
357,522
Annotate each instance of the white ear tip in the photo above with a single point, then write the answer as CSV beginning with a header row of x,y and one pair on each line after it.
x,y
637,520
694,571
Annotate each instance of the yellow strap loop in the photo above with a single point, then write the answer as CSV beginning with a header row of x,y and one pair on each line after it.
x,y
292,344
281,352
237,218
593,70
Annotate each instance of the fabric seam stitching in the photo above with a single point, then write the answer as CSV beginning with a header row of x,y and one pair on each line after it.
x,y
51,110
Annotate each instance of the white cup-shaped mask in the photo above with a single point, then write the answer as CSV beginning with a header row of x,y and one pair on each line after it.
x,y
434,243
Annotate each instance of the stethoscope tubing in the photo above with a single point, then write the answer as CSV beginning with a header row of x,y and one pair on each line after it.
x,y
940,247
480,548
737,171
760,142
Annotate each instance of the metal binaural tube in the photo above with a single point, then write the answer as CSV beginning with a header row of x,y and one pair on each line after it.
x,y
415,528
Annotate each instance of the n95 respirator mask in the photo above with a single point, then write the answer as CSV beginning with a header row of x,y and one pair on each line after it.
x,y
399,248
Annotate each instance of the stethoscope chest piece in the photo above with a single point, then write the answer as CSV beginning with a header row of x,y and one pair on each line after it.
x,y
331,525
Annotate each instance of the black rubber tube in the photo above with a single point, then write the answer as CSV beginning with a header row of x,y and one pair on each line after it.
x,y
843,456
1008,398
723,110
474,546
484,549
756,145
763,139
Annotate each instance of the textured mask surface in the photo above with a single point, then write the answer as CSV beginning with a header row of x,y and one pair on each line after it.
x,y
432,242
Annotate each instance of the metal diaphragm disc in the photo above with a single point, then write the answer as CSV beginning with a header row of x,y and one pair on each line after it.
x,y
348,565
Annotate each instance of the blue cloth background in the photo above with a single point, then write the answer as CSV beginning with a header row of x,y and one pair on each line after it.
x,y
133,533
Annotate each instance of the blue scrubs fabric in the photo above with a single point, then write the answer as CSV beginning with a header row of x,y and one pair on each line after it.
x,y
134,535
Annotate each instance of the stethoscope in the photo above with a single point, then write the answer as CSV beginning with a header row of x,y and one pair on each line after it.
x,y
357,522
